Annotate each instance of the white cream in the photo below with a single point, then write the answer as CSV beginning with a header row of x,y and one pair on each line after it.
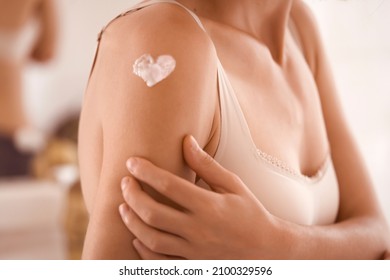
x,y
153,72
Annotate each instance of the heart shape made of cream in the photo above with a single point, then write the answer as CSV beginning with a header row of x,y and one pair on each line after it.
x,y
153,72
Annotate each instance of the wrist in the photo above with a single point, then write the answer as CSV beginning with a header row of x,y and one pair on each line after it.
x,y
275,241
284,239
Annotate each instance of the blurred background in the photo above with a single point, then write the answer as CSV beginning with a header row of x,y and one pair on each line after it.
x,y
44,217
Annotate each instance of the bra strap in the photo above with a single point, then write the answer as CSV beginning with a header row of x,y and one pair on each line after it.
x,y
151,2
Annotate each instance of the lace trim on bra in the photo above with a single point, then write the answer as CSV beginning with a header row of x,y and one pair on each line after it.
x,y
286,169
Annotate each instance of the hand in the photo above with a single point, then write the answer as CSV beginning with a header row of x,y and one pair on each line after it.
x,y
225,223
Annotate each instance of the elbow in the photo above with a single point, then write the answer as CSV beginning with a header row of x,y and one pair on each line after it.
x,y
374,232
386,254
379,230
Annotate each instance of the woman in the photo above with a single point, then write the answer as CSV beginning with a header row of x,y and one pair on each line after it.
x,y
250,81
27,31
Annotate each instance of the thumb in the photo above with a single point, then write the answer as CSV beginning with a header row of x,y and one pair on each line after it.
x,y
217,177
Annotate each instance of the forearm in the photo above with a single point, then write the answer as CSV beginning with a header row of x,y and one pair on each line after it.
x,y
355,238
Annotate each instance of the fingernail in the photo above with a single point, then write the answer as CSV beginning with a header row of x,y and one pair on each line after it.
x,y
122,212
122,209
132,165
124,183
194,144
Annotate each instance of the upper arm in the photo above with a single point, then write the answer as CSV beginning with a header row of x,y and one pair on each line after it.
x,y
357,196
45,46
147,122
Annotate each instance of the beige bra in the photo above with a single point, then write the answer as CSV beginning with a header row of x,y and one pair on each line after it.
x,y
284,193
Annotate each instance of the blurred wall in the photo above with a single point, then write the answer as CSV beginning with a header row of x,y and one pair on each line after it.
x,y
355,32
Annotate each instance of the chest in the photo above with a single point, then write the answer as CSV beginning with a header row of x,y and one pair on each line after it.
x,y
280,102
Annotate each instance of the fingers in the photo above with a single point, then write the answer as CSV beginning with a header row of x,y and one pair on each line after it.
x,y
151,212
175,188
157,241
218,178
147,254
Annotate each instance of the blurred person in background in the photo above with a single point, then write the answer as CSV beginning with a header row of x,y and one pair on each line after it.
x,y
28,32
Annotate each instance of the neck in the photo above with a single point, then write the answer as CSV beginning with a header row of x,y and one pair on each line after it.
x,y
265,20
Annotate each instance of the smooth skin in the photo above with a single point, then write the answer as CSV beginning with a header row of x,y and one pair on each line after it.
x,y
208,221
289,85
121,116
201,232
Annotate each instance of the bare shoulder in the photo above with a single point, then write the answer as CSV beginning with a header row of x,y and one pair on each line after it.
x,y
136,119
308,32
158,27
161,29
154,118
303,12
